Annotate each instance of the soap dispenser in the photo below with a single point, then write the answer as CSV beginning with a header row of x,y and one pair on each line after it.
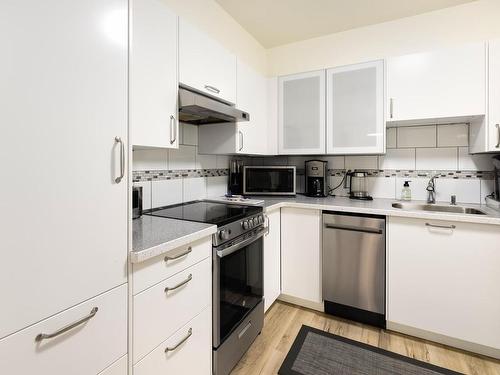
x,y
406,192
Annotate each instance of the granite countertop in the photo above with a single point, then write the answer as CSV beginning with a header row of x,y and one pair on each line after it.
x,y
153,236
381,207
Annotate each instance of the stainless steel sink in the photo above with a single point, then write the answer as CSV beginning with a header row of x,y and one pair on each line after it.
x,y
438,208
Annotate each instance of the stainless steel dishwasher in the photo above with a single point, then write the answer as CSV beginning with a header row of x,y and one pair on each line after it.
x,y
354,266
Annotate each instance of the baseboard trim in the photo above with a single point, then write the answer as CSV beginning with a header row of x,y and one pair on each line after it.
x,y
443,339
318,306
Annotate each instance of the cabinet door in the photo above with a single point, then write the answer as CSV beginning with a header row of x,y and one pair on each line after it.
x,y
355,109
252,98
494,96
205,65
272,259
302,113
445,83
443,280
65,82
153,75
301,253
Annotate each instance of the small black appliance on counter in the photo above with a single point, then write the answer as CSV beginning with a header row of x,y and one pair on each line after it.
x,y
235,177
136,202
316,178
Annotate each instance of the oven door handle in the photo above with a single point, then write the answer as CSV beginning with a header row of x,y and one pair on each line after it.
x,y
231,249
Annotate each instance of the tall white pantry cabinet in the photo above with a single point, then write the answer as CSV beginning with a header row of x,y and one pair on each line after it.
x,y
63,75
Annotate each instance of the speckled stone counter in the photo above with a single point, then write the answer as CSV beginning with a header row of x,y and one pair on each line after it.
x,y
153,236
381,207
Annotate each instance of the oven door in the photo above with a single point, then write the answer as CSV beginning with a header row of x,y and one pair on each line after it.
x,y
238,282
274,180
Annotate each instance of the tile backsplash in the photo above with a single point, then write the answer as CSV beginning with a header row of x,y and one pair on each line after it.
x,y
413,154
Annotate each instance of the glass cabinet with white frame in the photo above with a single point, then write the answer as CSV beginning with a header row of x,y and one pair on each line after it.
x,y
355,109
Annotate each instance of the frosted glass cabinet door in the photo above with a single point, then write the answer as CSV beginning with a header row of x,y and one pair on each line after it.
x,y
302,113
355,109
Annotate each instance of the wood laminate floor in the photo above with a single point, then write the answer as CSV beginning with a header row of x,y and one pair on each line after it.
x,y
283,321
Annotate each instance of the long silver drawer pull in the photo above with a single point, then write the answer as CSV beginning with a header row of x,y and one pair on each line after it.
x,y
354,228
186,252
122,159
212,89
172,348
173,128
241,140
170,288
244,330
42,336
498,136
440,226
391,109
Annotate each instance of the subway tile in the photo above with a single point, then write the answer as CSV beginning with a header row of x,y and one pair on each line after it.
x,y
216,186
466,190
222,161
381,187
436,159
416,136
361,162
398,159
166,192
453,135
300,186
189,134
334,162
194,189
391,138
183,158
276,160
335,181
146,193
206,161
418,187
487,187
467,162
151,159
298,161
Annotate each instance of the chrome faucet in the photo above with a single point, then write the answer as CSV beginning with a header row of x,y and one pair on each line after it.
x,y
431,190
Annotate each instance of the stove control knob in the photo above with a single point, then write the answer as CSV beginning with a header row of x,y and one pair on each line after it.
x,y
255,221
245,225
261,219
224,234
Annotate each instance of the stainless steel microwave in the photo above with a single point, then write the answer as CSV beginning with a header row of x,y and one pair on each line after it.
x,y
269,180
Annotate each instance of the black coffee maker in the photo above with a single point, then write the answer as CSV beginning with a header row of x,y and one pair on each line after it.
x,y
316,178
235,181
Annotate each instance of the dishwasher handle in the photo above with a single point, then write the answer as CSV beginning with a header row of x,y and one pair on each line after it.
x,y
354,228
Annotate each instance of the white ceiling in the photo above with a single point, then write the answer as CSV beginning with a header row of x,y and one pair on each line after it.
x,y
277,22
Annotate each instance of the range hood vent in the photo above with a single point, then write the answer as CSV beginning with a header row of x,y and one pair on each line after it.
x,y
198,109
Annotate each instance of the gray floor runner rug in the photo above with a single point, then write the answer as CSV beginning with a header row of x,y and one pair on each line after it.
x,y
315,352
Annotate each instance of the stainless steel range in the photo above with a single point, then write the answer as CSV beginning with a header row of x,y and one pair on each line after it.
x,y
238,281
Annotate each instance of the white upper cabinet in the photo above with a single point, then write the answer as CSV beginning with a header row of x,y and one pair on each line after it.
x,y
153,75
355,109
301,113
63,147
205,65
437,86
493,131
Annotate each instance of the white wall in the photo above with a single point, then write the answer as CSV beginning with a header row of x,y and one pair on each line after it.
x,y
216,22
470,22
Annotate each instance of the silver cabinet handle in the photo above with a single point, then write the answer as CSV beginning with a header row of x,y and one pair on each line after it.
x,y
172,348
42,336
170,288
391,108
173,128
440,226
186,252
122,159
212,89
241,140
268,225
498,136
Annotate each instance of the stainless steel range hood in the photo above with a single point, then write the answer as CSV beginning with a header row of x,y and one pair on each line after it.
x,y
198,109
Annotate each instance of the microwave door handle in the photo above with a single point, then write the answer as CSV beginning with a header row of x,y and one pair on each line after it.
x,y
231,249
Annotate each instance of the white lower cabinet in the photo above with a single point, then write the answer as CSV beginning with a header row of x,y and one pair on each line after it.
x,y
188,351
301,256
272,259
160,310
443,280
87,348
120,367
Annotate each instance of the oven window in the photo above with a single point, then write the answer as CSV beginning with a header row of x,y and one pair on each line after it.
x,y
241,285
269,180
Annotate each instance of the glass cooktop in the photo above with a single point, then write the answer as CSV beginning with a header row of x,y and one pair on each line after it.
x,y
206,212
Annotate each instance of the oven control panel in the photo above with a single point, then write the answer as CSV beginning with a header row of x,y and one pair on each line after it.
x,y
237,228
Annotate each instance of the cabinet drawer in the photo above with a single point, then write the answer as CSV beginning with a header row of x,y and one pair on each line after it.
x,y
88,348
120,367
152,271
193,356
159,313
